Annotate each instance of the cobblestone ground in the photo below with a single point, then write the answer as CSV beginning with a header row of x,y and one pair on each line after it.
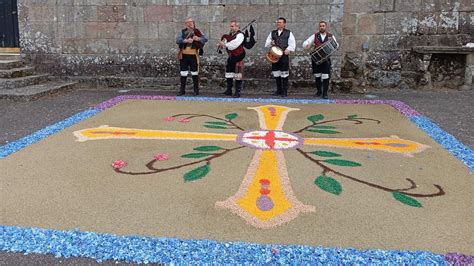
x,y
452,110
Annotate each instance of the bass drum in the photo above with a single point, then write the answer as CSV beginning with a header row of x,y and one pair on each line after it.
x,y
274,54
324,51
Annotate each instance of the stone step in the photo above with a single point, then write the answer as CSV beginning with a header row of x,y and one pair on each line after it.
x,y
14,83
10,56
9,64
171,84
36,91
249,91
17,72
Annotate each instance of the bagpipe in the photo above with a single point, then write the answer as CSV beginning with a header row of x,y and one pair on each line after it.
x,y
249,36
189,33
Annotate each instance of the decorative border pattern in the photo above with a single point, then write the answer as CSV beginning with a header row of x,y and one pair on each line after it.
x,y
169,250
137,249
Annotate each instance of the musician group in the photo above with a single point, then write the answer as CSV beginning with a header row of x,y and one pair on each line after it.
x,y
280,42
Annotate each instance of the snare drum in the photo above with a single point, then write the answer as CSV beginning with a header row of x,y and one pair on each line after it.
x,y
274,54
324,51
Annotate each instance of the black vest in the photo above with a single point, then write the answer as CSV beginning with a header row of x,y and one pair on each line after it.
x,y
282,40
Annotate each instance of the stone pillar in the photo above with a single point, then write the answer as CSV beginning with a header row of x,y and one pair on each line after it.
x,y
424,68
422,65
469,72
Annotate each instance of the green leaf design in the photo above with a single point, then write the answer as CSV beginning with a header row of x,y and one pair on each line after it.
x,y
217,123
231,116
323,131
328,184
197,173
405,199
342,162
325,154
208,148
323,127
314,118
352,116
216,127
196,155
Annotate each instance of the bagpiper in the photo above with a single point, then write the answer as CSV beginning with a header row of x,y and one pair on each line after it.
x,y
191,42
234,44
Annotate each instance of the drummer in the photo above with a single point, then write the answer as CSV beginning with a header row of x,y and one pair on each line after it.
x,y
285,40
322,72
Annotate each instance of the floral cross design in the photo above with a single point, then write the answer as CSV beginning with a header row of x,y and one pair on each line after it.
x,y
265,198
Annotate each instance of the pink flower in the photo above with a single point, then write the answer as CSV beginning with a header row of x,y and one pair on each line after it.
x,y
274,251
119,164
161,157
169,119
184,120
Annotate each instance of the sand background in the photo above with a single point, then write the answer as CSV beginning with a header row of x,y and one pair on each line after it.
x,y
62,184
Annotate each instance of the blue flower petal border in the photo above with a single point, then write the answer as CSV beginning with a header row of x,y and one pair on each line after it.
x,y
138,249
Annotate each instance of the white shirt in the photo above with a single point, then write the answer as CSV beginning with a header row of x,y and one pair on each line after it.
x,y
232,45
291,41
310,40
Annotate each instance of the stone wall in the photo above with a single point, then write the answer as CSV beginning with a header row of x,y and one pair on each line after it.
x,y
136,37
379,35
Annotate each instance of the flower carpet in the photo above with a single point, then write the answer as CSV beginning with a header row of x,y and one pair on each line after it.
x,y
212,180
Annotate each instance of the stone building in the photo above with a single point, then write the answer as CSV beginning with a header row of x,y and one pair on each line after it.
x,y
135,38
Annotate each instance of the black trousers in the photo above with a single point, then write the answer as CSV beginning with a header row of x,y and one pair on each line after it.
x,y
282,65
323,68
188,63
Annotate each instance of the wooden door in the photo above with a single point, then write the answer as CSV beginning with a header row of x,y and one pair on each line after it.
x,y
9,34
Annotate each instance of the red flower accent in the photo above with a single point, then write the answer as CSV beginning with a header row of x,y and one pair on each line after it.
x,y
368,143
161,157
169,118
119,164
184,120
